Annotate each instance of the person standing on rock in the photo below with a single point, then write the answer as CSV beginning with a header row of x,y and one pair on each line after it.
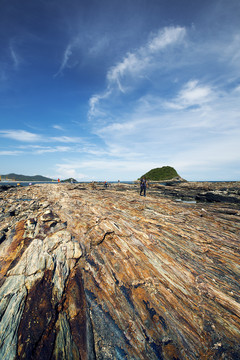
x,y
143,186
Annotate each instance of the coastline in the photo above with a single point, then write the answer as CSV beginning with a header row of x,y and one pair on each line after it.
x,y
201,191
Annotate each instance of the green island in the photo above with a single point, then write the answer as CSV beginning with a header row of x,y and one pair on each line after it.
x,y
163,173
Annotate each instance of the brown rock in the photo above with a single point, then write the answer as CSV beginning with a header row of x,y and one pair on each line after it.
x,y
93,274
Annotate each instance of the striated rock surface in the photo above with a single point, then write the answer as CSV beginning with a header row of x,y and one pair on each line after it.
x,y
228,192
89,273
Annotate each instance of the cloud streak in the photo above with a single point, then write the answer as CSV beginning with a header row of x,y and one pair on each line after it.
x,y
10,152
65,61
192,94
20,135
136,62
14,56
130,69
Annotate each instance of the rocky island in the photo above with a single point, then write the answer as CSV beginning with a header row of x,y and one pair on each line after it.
x,y
94,273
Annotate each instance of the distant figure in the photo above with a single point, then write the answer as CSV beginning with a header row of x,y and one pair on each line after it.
x,y
143,186
105,184
58,180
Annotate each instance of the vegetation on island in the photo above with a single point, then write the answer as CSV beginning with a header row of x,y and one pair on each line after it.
x,y
30,178
17,177
159,174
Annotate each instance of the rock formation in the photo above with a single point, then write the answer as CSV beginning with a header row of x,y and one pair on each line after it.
x,y
224,192
89,273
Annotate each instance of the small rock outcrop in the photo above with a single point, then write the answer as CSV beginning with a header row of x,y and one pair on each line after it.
x,y
88,273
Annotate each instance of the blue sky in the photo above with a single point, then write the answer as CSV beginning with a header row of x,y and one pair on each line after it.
x,y
107,90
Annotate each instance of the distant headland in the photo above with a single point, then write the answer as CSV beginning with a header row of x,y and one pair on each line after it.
x,y
17,177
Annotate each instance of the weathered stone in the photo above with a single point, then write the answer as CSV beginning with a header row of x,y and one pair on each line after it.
x,y
12,302
38,318
93,274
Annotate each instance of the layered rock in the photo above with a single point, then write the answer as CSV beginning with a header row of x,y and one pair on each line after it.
x,y
88,273
228,192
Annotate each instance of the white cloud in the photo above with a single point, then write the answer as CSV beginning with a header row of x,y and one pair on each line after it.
x,y
10,153
20,135
66,56
107,169
26,136
192,94
45,150
70,171
136,62
210,159
94,110
67,139
135,66
117,127
165,37
130,64
58,127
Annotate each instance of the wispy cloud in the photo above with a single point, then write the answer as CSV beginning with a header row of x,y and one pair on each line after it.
x,y
15,57
165,37
51,149
10,152
71,55
65,61
135,65
94,109
136,62
192,94
29,137
58,127
67,139
72,170
20,135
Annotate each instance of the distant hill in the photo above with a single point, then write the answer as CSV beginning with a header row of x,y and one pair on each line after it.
x,y
18,177
163,173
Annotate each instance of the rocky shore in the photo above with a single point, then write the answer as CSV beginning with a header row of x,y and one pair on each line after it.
x,y
224,192
94,273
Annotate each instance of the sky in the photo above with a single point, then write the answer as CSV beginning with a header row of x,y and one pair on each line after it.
x,y
110,89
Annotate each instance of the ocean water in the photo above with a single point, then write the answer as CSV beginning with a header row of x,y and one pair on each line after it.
x,y
28,183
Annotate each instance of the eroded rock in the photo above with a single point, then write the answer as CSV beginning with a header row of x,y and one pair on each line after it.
x,y
95,274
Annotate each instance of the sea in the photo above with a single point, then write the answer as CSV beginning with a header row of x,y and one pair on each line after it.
x,y
29,183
